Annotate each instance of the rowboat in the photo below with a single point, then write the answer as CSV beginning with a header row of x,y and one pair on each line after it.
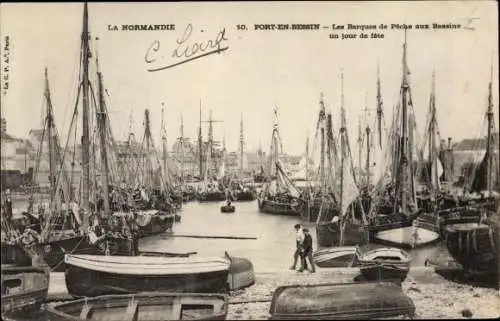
x,y
383,263
474,245
347,301
93,275
241,273
342,256
24,289
227,209
142,306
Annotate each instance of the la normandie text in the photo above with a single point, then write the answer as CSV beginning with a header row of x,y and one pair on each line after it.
x,y
146,27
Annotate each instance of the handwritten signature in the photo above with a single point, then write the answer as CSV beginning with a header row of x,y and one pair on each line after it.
x,y
186,51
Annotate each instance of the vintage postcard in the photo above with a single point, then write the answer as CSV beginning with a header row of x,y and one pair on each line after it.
x,y
249,160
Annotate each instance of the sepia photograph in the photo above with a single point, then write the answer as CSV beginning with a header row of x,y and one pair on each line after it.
x,y
267,160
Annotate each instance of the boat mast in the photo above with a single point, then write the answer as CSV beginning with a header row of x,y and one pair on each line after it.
x,y
182,148
380,111
102,134
147,134
200,146
342,160
322,113
242,142
368,144
85,120
50,125
164,143
360,151
489,160
432,138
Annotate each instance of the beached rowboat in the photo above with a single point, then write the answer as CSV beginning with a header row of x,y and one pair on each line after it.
x,y
383,263
142,306
24,289
342,256
92,275
355,301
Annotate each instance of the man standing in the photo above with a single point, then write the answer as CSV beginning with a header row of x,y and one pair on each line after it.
x,y
307,252
299,236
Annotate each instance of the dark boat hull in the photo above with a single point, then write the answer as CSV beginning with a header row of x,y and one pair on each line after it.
x,y
227,209
354,301
15,254
212,197
24,289
245,196
157,225
272,207
474,246
384,272
84,282
328,234
144,306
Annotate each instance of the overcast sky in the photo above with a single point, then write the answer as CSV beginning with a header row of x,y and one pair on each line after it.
x,y
260,69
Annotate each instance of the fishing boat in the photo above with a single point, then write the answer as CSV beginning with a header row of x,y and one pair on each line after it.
x,y
341,256
393,222
228,208
278,195
382,263
150,222
92,275
336,224
340,301
241,273
142,306
24,289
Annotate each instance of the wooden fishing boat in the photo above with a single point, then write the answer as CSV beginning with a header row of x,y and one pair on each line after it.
x,y
142,306
245,194
150,222
342,256
382,263
227,209
241,273
276,207
24,289
328,234
340,301
474,245
92,275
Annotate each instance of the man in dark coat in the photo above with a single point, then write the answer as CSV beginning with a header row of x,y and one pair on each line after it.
x,y
307,252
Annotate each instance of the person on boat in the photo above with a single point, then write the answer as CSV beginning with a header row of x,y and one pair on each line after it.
x,y
299,238
306,253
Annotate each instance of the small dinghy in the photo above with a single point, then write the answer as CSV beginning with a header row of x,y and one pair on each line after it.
x,y
93,275
340,301
383,263
142,306
24,289
342,256
241,273
227,209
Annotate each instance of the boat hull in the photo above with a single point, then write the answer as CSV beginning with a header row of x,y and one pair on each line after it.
x,y
212,197
328,234
342,256
24,289
272,207
227,209
474,246
382,263
144,306
245,196
14,254
158,224
241,273
354,301
175,275
405,233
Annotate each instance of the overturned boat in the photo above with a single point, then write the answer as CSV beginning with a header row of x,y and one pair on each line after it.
x,y
382,263
342,256
24,289
143,306
93,275
337,301
241,273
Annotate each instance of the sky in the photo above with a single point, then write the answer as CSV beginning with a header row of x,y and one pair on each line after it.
x,y
261,69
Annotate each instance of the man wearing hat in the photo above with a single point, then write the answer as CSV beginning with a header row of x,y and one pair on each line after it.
x,y
299,236
307,252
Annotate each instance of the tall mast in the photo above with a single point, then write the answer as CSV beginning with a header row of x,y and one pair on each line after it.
x,y
403,161
242,142
342,156
164,142
50,125
102,134
85,119
489,183
360,150
182,147
307,159
322,114
379,109
432,137
368,144
200,146
147,134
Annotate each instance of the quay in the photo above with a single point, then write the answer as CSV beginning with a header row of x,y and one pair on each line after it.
x,y
423,285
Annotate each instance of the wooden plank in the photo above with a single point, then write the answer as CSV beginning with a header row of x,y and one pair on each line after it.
x,y
85,311
132,313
